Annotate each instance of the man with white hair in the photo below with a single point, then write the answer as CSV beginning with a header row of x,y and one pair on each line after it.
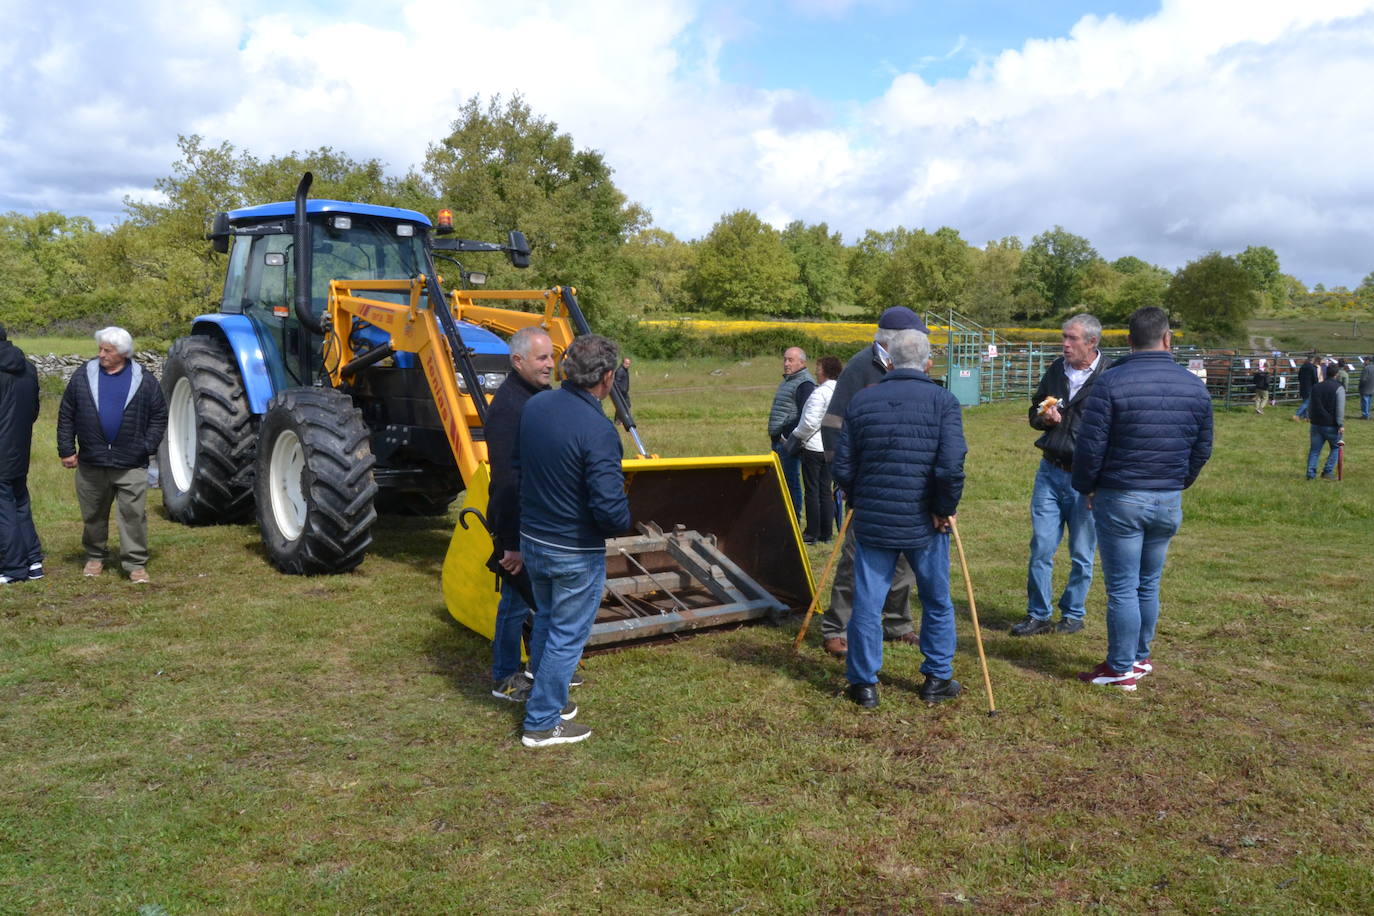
x,y
900,460
111,420
1055,506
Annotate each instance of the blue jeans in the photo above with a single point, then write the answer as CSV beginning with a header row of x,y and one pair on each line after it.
x,y
1302,410
792,474
1056,505
19,546
511,613
567,591
1364,405
1133,532
873,567
1322,435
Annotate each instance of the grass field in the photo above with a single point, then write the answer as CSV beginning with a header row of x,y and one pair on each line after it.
x,y
231,740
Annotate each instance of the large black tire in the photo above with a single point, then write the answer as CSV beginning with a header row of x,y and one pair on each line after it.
x,y
206,459
314,484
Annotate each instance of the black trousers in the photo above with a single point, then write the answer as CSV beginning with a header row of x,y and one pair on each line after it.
x,y
820,507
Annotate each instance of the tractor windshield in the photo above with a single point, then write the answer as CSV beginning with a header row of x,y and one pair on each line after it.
x,y
364,248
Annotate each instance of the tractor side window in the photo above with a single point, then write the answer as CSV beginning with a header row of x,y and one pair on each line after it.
x,y
277,274
236,277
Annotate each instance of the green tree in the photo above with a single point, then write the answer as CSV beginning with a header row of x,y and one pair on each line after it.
x,y
1212,296
504,168
820,258
662,266
45,262
869,260
744,269
1262,264
928,270
1137,290
1130,264
993,293
1053,267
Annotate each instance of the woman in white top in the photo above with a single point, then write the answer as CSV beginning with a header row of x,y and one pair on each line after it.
x,y
820,506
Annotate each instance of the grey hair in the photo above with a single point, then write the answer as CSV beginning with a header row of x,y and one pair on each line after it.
x,y
909,349
588,359
117,338
1092,328
522,341
884,337
800,353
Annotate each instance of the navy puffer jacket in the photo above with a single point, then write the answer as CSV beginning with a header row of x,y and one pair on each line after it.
x,y
140,433
18,410
900,458
1146,426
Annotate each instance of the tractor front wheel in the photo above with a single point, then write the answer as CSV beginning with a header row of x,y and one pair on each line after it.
x,y
314,485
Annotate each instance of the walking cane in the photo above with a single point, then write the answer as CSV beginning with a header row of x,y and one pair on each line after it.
x,y
1340,460
973,612
825,574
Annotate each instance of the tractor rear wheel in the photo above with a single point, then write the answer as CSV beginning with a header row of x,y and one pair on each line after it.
x,y
206,458
314,484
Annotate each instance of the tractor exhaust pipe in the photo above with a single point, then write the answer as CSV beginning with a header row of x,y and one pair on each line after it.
x,y
301,232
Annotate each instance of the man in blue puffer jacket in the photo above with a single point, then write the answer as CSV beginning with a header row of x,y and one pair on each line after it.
x,y
900,459
1145,434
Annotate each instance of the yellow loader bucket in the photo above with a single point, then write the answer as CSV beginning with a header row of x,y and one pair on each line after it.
x,y
714,542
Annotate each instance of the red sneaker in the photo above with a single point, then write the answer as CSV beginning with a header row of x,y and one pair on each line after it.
x,y
1143,668
1109,677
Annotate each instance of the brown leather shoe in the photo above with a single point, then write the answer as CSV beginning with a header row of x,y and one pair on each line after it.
x,y
909,637
836,646
93,568
139,577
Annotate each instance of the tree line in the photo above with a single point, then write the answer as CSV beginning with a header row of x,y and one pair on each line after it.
x,y
503,167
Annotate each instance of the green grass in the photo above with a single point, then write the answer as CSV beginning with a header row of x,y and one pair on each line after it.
x,y
233,740
62,346
1320,334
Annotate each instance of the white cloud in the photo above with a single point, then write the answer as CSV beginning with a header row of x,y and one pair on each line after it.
x,y
1207,125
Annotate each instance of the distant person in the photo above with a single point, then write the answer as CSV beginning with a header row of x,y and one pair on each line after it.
x,y
1366,385
865,368
1145,434
21,554
572,497
622,380
796,386
112,418
1261,382
1328,422
1056,506
806,441
531,360
900,459
1308,376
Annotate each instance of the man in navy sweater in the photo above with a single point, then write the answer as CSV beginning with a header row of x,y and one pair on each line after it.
x,y
21,554
112,417
572,497
900,459
1145,434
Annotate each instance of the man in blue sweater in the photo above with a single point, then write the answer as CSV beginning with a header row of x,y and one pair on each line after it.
x,y
900,459
572,497
1145,434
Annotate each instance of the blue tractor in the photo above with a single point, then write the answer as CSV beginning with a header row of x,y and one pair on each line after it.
x,y
263,419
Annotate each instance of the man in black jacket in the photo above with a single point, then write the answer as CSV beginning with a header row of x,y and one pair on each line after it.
x,y
21,555
1307,380
1055,505
1328,422
531,359
114,413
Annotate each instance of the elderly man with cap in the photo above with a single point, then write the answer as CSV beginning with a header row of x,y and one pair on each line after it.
x,y
867,367
21,555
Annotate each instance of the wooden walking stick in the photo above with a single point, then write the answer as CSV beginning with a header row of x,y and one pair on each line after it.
x,y
973,612
825,574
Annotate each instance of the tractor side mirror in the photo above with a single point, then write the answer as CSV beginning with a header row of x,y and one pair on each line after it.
x,y
518,249
219,233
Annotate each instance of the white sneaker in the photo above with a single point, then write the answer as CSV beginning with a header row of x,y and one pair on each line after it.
x,y
562,733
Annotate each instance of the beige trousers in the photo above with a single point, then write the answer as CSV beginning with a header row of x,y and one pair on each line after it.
x,y
96,489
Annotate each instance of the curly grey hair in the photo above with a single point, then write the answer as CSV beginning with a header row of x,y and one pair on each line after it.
x,y
588,359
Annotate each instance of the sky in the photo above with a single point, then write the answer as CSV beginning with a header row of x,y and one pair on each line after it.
x,y
1163,130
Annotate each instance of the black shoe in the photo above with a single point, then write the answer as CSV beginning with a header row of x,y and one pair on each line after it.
x,y
1069,625
1032,626
1327,475
938,689
808,539
865,695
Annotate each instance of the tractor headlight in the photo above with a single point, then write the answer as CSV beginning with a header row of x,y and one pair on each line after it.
x,y
492,380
